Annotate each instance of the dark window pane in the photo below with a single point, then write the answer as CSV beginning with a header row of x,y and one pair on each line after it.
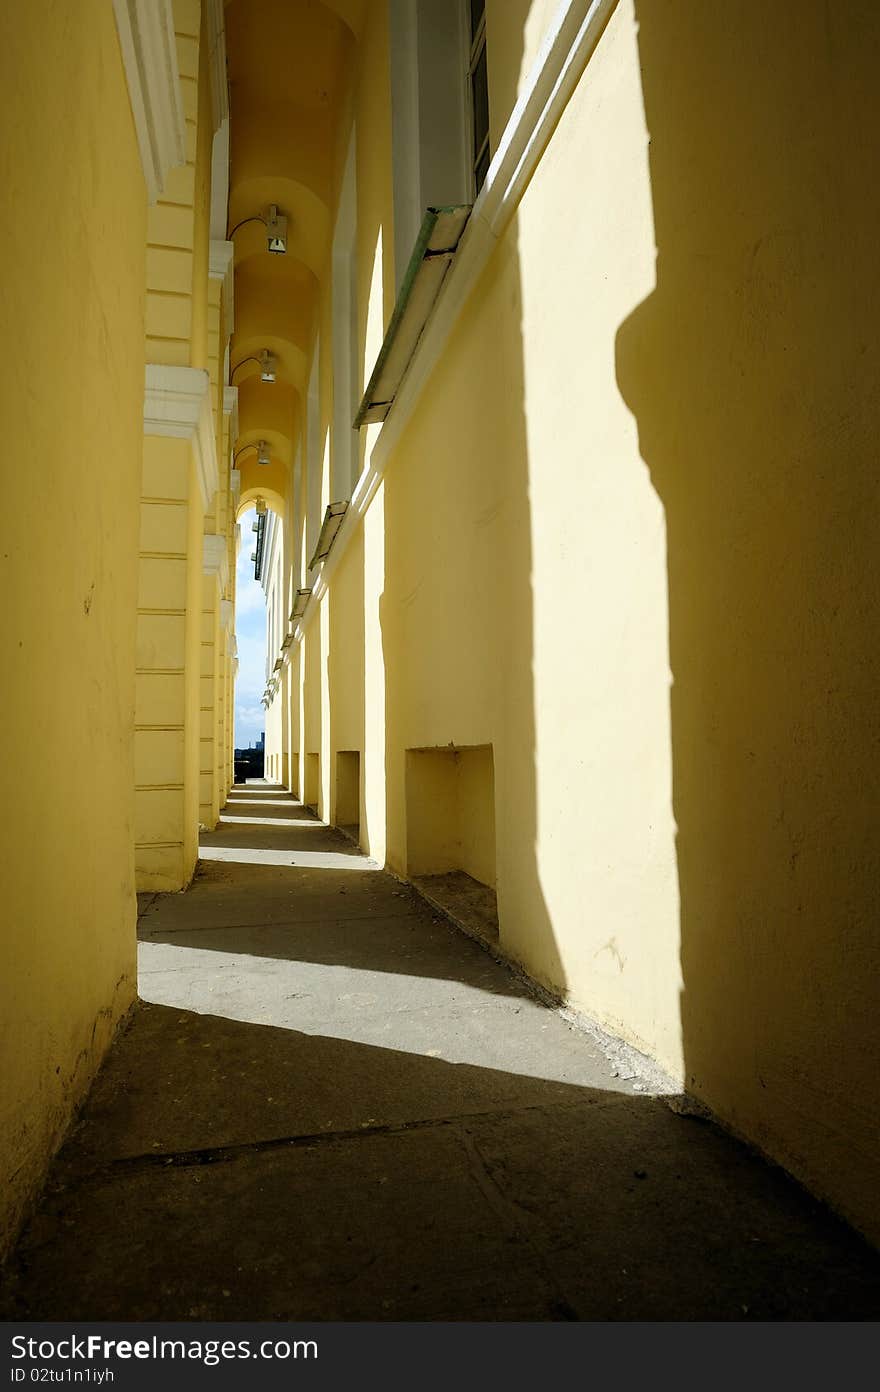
x,y
481,170
480,91
477,8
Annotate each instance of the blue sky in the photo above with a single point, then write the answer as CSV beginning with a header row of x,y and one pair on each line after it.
x,y
250,630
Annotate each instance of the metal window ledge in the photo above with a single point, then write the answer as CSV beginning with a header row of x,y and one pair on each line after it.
x,y
299,604
331,524
429,264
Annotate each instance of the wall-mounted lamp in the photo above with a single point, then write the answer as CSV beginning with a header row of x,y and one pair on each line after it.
x,y
260,505
262,448
275,223
276,230
268,364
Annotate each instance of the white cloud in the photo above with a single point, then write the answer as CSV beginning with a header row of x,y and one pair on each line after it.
x,y
250,632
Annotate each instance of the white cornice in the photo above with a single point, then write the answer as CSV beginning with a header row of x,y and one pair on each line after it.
x,y
215,560
149,54
177,402
568,46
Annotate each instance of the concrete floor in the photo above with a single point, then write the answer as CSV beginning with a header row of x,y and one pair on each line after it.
x,y
332,1105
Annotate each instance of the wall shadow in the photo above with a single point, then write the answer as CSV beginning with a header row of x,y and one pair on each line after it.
x,y
457,612
225,1170
752,372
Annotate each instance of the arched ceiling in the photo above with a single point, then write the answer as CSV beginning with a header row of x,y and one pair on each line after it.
x,y
290,64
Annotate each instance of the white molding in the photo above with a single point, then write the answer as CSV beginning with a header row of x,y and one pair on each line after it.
x,y
568,46
230,408
177,402
215,559
149,55
220,259
221,267
216,35
227,616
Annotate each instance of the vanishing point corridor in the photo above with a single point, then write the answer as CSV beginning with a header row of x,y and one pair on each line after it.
x,y
331,1104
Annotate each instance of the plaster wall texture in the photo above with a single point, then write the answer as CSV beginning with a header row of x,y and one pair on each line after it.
x,y
626,540
72,304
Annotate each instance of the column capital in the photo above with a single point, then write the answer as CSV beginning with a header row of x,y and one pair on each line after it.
x,y
214,558
177,402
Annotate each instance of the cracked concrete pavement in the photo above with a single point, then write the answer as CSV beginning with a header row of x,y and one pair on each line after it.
x,y
332,1105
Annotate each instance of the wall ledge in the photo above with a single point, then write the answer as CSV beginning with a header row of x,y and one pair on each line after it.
x,y
177,403
149,55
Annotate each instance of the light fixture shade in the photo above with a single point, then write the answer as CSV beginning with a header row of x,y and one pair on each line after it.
x,y
263,455
260,506
267,365
276,231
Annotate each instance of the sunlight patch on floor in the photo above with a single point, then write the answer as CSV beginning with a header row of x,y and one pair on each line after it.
x,y
273,821
300,860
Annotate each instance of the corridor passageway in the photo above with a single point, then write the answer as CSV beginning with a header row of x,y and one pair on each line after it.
x,y
330,1104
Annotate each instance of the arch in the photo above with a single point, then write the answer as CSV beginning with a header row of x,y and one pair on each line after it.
x,y
248,500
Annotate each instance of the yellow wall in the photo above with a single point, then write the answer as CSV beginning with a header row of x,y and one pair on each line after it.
x,y
626,539
72,298
178,605
751,373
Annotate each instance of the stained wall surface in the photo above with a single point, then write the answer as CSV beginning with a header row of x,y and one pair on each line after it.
x,y
72,305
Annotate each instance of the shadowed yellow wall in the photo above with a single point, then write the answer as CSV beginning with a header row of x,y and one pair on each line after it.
x,y
626,539
72,306
751,370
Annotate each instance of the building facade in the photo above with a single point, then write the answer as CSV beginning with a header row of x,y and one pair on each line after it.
x,y
568,492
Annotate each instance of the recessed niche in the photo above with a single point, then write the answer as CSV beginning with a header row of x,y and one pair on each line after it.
x,y
348,792
450,833
312,781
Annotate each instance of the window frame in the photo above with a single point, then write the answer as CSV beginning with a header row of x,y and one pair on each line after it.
x,y
475,48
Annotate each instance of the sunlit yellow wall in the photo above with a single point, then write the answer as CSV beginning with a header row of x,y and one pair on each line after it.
x,y
177,606
72,305
627,541
346,675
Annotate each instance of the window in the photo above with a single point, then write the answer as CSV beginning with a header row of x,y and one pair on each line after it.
x,y
431,83
479,93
